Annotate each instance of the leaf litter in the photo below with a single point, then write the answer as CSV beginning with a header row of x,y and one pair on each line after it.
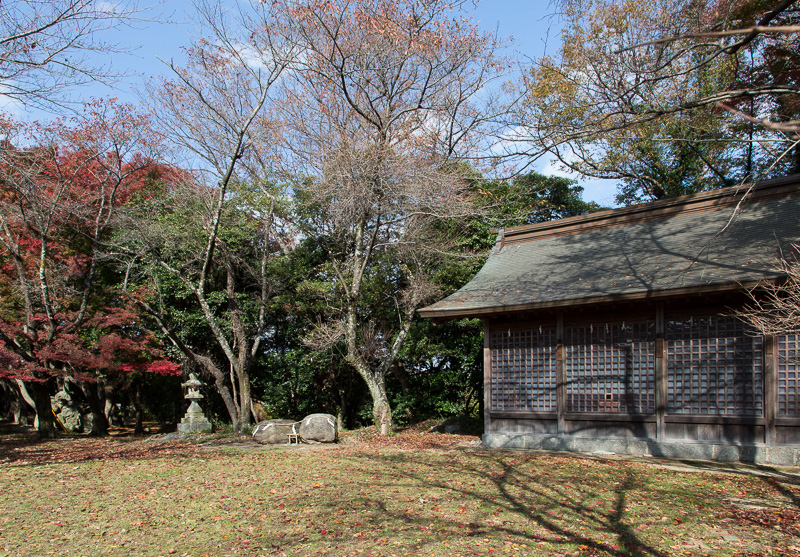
x,y
412,493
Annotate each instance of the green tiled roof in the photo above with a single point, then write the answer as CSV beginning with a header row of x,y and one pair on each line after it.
x,y
632,253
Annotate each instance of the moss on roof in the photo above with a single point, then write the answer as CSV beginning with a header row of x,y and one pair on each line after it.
x,y
655,253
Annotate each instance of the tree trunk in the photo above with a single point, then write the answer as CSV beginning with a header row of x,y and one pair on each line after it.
x,y
44,411
13,399
341,413
138,428
402,377
225,393
113,416
241,366
381,410
17,408
99,423
245,399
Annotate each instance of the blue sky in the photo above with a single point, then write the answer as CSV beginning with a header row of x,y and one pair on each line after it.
x,y
527,22
535,33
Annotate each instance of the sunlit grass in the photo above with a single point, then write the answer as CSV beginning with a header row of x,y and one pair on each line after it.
x,y
357,500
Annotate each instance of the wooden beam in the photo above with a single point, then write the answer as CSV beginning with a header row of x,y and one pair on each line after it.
x,y
661,375
714,420
546,416
487,378
770,388
609,417
561,376
574,304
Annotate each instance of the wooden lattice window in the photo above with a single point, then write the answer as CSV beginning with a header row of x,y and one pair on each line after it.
x,y
610,367
789,375
714,367
524,369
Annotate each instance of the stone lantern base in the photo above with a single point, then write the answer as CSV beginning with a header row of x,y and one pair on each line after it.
x,y
194,421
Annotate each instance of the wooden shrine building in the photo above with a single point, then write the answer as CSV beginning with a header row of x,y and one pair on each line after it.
x,y
614,332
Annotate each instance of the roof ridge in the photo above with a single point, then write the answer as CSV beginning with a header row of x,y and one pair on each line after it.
x,y
664,208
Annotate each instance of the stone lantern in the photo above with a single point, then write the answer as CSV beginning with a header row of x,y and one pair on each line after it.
x,y
194,421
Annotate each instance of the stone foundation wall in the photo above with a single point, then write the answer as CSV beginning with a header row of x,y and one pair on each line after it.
x,y
752,454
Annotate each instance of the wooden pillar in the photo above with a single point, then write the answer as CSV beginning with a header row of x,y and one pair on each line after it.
x,y
661,374
770,388
561,376
487,378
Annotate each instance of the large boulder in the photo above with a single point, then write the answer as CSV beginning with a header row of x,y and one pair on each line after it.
x,y
71,418
320,428
274,432
68,412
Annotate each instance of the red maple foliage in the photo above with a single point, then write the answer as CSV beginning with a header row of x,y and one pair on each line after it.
x,y
60,184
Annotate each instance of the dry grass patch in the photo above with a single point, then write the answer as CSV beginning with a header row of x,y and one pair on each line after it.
x,y
139,498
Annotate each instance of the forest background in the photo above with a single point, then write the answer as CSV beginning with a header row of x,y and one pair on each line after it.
x,y
275,208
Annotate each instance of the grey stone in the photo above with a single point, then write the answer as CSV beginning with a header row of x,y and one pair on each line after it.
x,y
504,441
274,432
639,447
727,453
781,456
71,418
88,422
550,443
175,436
194,421
115,415
61,400
753,454
690,451
593,445
319,427
70,412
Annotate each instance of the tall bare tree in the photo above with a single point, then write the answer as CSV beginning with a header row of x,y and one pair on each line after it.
x,y
48,46
216,112
388,96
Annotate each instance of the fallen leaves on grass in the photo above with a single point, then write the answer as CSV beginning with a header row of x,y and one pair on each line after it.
x,y
85,449
407,439
782,520
411,493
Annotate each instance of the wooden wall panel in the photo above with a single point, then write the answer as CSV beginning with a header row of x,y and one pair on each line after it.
x,y
614,430
734,434
787,435
518,426
687,355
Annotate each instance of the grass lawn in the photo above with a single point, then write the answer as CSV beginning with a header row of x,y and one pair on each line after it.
x,y
406,495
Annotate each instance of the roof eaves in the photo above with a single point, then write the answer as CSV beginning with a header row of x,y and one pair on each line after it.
x,y
651,295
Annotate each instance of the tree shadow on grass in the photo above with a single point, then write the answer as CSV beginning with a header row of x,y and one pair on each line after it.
x,y
498,499
32,452
769,512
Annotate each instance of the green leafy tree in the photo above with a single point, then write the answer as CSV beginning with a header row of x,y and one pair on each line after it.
x,y
216,111
668,97
211,308
440,370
